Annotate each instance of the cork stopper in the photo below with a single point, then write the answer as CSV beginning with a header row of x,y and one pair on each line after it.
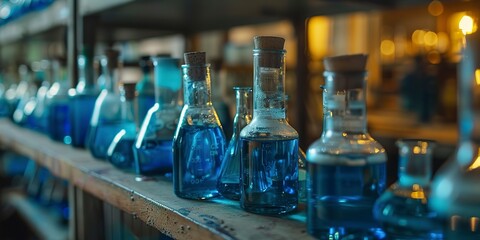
x,y
196,61
269,43
129,90
346,63
112,57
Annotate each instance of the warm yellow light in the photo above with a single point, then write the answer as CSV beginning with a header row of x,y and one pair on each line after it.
x,y
434,57
430,38
387,47
443,42
435,8
418,37
475,163
477,76
318,35
467,25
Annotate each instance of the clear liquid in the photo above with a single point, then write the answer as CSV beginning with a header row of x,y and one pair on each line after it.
x,y
80,114
341,197
154,157
198,153
407,217
269,175
101,136
59,127
122,154
229,181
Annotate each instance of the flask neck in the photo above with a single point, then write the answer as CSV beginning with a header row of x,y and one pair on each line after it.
x,y
344,107
167,80
85,74
110,74
269,84
243,115
415,162
197,89
127,98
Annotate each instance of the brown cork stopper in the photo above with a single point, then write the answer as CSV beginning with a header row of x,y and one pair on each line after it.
x,y
196,62
112,57
129,90
346,63
269,43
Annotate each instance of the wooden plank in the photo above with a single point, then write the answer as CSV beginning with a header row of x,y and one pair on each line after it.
x,y
153,202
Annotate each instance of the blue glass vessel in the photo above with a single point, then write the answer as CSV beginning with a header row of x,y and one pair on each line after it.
x,y
108,116
269,145
82,100
199,142
145,89
346,170
58,104
25,93
153,146
38,118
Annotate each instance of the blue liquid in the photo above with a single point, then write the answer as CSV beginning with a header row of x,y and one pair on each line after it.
x,y
145,102
154,157
404,217
198,153
80,114
229,181
463,228
341,198
100,137
122,154
59,122
269,176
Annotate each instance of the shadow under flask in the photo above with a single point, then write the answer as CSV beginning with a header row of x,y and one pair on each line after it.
x,y
108,117
346,167
403,209
269,145
229,181
153,146
455,188
199,141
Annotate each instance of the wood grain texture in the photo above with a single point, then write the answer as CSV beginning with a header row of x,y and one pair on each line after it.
x,y
153,202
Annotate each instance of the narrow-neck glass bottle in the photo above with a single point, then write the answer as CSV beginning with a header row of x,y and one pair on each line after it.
x,y
269,145
108,116
58,105
229,180
153,146
199,142
145,89
346,166
82,100
455,192
120,151
402,209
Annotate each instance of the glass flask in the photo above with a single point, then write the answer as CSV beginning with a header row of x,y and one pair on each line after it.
x,y
455,192
199,142
120,151
346,166
25,92
38,120
145,89
108,116
269,145
153,146
82,99
229,180
402,209
58,105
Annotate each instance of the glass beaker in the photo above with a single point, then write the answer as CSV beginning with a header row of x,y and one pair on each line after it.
x,y
229,180
403,209
153,146
120,151
269,145
455,192
199,141
108,116
346,166
145,89
82,100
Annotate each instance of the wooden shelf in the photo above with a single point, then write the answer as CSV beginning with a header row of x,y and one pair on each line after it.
x,y
151,201
43,222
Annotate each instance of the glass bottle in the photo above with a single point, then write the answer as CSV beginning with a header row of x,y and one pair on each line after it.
x,y
120,151
24,93
58,105
82,100
39,118
199,141
145,89
346,166
402,209
153,146
269,145
455,193
229,180
108,117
